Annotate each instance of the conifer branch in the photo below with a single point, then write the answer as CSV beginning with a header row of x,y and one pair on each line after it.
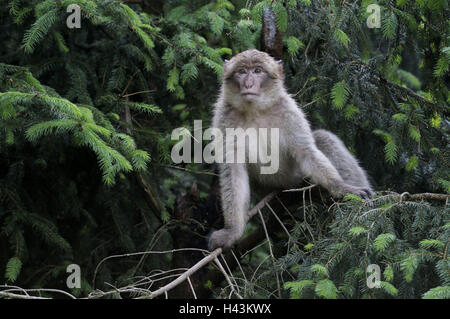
x,y
424,196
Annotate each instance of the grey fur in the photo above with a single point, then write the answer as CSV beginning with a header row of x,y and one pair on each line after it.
x,y
320,156
340,157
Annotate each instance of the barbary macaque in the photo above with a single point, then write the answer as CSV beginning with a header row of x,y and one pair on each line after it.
x,y
253,95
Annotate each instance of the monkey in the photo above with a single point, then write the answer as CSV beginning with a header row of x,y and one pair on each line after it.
x,y
253,95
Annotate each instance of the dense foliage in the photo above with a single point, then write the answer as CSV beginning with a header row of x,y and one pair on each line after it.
x,y
86,116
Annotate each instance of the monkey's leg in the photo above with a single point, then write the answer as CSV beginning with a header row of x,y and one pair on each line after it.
x,y
346,164
235,190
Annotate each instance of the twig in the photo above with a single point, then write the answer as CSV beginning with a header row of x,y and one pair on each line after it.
x,y
26,291
212,256
408,91
141,253
285,208
299,189
231,273
261,204
239,264
222,270
140,92
17,296
257,268
270,250
189,170
192,287
314,101
279,220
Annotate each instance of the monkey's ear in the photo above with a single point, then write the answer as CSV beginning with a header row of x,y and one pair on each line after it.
x,y
280,68
226,68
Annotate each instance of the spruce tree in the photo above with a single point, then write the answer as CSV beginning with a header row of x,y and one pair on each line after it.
x,y
86,116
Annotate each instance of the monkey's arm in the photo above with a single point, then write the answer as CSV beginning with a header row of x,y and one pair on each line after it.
x,y
313,163
316,166
235,190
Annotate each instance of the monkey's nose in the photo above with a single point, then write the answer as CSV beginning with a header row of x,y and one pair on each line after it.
x,y
248,84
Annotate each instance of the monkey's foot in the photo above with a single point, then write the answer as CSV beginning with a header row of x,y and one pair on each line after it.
x,y
223,238
363,192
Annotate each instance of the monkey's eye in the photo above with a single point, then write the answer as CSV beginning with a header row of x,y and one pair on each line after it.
x,y
258,70
242,71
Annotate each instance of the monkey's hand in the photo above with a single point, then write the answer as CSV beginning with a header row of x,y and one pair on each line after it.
x,y
223,238
363,192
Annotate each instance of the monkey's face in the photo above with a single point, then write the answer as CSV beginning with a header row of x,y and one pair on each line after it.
x,y
251,80
252,77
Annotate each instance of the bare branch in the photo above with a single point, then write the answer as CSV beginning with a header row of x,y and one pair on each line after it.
x,y
222,270
186,274
261,204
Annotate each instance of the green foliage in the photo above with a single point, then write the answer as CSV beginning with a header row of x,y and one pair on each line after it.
x,y
389,273
409,266
413,162
356,231
409,79
326,289
349,249
353,197
382,241
339,94
341,37
39,30
293,45
296,287
79,122
388,288
13,268
391,148
86,117
319,270
389,25
431,243
438,293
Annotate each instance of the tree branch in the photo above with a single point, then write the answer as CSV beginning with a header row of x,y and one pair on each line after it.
x,y
211,257
261,204
426,196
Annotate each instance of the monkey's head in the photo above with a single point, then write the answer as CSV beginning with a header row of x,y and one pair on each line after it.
x,y
252,79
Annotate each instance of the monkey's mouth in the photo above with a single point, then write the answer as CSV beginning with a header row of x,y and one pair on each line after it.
x,y
249,94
